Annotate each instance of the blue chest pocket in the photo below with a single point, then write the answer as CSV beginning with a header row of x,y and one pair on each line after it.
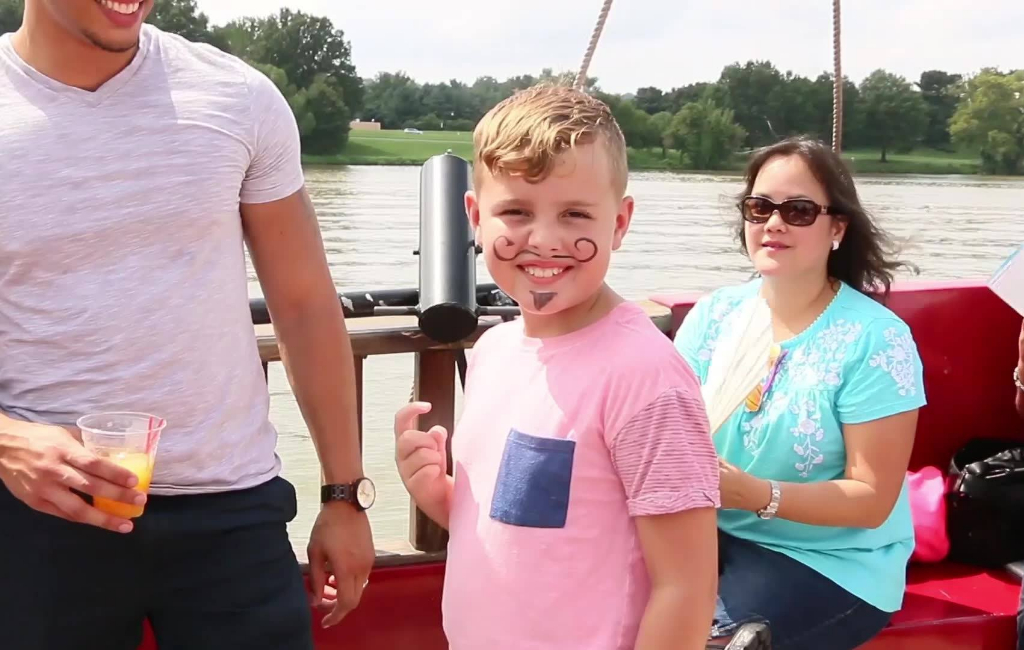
x,y
532,488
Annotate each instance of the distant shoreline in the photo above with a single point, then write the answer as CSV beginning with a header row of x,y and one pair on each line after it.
x,y
397,148
871,167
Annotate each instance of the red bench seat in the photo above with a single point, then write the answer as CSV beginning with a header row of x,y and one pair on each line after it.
x,y
951,606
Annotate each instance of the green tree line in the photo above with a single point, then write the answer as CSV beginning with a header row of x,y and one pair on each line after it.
x,y
750,104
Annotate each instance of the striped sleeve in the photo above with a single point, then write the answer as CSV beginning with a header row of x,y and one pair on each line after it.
x,y
665,459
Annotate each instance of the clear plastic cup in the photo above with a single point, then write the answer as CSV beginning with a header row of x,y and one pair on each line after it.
x,y
129,440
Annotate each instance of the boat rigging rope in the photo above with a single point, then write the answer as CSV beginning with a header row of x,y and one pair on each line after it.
x,y
581,79
837,81
581,76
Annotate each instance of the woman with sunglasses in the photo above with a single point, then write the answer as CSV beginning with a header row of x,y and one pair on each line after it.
x,y
815,527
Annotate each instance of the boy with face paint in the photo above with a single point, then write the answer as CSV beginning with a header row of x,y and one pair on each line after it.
x,y
582,508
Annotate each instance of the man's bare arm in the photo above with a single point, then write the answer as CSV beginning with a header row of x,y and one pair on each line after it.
x,y
287,253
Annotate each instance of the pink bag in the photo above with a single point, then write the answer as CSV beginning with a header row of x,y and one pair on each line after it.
x,y
927,489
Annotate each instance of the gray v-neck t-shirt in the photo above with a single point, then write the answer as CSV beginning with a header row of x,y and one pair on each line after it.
x,y
123,283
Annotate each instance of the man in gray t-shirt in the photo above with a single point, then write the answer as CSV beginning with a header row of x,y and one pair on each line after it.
x,y
134,167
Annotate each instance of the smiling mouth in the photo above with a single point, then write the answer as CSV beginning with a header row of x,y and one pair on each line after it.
x,y
126,9
543,272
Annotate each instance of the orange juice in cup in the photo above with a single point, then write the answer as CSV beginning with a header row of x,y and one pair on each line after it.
x,y
140,465
126,439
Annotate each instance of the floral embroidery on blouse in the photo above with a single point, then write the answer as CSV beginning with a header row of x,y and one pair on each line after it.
x,y
775,404
718,311
818,364
898,361
808,432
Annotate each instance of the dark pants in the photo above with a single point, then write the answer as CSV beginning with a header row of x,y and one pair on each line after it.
x,y
804,609
210,572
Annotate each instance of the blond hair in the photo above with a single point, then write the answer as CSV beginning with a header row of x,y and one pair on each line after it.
x,y
524,134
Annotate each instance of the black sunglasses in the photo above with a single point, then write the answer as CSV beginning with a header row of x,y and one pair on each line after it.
x,y
795,212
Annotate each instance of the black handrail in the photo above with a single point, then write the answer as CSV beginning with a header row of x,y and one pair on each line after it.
x,y
362,304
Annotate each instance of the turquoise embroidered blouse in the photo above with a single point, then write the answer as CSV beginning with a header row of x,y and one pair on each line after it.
x,y
856,363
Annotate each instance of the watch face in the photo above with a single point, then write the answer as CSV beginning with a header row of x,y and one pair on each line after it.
x,y
366,493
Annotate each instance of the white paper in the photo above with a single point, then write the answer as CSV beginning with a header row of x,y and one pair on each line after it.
x,y
1008,281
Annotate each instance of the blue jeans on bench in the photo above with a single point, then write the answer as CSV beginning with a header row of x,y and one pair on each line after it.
x,y
804,609
209,571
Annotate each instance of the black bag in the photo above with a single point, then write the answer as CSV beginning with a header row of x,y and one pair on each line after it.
x,y
985,503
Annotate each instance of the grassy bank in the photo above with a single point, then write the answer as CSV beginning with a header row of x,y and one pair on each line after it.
x,y
400,148
397,148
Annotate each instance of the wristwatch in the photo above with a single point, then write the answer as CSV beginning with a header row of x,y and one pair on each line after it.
x,y
361,493
1016,379
768,512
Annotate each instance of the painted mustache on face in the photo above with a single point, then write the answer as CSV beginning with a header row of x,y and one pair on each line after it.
x,y
503,248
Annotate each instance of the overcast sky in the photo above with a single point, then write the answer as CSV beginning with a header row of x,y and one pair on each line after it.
x,y
664,43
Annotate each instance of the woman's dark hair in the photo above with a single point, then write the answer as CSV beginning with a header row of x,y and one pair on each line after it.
x,y
864,259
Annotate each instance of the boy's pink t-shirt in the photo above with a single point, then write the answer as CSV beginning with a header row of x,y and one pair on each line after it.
x,y
595,427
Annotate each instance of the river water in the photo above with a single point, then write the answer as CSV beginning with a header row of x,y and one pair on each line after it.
x,y
950,227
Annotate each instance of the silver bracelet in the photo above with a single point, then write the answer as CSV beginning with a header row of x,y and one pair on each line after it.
x,y
1016,379
768,512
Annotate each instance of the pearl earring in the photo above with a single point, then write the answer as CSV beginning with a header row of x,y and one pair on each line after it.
x,y
835,244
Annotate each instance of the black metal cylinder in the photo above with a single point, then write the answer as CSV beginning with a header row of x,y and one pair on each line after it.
x,y
447,307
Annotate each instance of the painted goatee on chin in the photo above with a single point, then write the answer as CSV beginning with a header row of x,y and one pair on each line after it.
x,y
541,299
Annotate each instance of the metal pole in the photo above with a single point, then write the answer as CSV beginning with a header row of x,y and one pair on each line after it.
x,y
447,305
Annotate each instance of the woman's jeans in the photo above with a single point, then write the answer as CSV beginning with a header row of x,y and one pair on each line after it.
x,y
804,609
